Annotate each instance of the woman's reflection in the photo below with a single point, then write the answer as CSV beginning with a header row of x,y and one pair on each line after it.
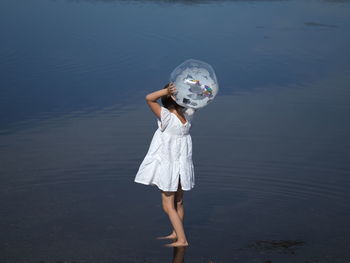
x,y
178,254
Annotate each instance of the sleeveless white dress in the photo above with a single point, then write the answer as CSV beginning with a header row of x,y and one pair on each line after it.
x,y
169,157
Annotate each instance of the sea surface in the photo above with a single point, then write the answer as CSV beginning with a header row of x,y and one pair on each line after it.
x,y
271,153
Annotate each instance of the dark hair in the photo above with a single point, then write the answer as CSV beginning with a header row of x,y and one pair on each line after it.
x,y
169,103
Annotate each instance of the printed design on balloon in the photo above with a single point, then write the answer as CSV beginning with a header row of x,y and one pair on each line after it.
x,y
198,91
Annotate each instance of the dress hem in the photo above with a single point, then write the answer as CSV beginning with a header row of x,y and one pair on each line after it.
x,y
165,190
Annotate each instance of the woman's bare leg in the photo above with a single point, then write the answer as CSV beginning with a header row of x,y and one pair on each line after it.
x,y
169,208
178,204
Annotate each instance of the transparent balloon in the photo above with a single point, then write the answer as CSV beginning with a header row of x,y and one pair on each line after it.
x,y
195,82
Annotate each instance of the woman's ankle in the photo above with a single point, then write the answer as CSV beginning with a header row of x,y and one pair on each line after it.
x,y
183,240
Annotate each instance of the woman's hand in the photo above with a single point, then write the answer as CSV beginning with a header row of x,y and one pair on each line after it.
x,y
171,89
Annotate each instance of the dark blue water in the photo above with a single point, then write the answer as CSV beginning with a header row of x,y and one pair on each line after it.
x,y
271,153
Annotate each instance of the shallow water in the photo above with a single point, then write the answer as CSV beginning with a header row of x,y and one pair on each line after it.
x,y
271,153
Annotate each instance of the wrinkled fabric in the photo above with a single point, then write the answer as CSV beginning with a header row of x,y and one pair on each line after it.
x,y
169,157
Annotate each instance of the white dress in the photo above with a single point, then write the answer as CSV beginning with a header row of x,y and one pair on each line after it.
x,y
169,157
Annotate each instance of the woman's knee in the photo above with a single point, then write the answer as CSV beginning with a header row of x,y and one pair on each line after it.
x,y
179,198
179,203
165,207
168,202
168,208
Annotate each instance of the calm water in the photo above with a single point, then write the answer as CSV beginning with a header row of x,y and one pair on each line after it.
x,y
271,154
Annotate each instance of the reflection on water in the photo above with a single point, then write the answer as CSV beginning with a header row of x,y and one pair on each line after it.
x,y
270,154
179,255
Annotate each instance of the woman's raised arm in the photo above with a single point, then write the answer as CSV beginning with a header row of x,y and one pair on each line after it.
x,y
152,98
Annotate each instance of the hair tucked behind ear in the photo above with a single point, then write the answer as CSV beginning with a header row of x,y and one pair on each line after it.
x,y
169,103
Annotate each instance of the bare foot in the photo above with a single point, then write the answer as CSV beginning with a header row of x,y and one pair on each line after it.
x,y
171,236
177,244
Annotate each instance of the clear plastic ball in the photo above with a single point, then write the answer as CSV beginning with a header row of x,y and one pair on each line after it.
x,y
195,82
